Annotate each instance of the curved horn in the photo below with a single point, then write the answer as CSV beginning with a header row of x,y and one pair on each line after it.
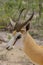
x,y
13,22
26,22
18,26
20,13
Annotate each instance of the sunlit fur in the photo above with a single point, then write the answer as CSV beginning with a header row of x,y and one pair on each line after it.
x,y
33,50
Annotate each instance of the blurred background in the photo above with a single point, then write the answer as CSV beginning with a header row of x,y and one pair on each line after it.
x,y
11,9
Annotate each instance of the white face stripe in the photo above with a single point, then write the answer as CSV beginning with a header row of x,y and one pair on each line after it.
x,y
10,43
12,40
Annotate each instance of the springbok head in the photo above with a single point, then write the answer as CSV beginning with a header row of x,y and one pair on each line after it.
x,y
17,28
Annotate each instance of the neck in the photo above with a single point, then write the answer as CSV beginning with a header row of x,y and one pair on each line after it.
x,y
34,51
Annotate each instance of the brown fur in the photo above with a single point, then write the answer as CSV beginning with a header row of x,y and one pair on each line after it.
x,y
33,50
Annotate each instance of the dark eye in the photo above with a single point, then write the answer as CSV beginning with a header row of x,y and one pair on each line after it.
x,y
18,37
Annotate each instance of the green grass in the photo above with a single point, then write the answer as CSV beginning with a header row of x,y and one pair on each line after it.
x,y
1,27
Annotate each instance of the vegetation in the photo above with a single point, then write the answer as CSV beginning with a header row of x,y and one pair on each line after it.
x,y
11,8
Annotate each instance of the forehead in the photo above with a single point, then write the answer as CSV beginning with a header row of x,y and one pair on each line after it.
x,y
15,33
21,31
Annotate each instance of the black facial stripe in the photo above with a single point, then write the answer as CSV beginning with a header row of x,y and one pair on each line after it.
x,y
18,37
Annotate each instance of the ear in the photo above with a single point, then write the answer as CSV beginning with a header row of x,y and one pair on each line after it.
x,y
27,27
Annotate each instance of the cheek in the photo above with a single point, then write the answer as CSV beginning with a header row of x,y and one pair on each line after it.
x,y
19,43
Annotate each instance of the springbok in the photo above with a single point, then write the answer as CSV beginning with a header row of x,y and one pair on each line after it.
x,y
33,50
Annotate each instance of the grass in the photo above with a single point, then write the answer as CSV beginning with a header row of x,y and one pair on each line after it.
x,y
1,27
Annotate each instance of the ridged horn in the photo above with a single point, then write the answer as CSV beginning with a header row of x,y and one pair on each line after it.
x,y
26,22
20,13
18,25
14,22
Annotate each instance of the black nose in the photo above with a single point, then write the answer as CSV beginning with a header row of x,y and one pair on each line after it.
x,y
8,48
